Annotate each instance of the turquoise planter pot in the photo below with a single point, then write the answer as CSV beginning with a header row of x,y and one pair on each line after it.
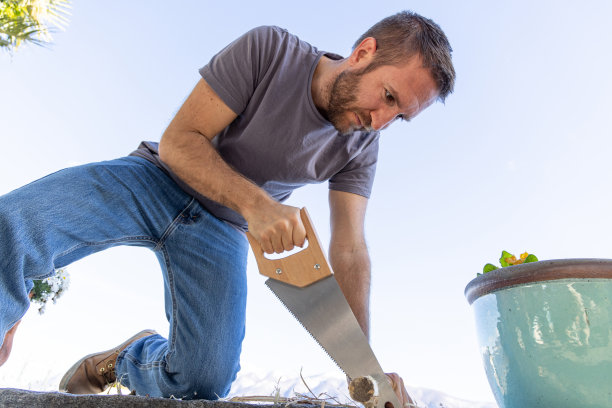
x,y
545,333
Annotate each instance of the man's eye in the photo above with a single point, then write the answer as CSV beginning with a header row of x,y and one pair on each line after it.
x,y
389,97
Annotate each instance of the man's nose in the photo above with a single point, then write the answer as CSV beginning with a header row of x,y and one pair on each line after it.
x,y
381,118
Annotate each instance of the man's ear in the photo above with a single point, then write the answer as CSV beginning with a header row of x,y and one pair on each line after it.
x,y
363,54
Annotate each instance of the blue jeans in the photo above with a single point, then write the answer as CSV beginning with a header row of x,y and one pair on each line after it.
x,y
75,212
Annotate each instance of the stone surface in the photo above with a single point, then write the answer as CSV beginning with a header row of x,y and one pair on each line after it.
x,y
10,397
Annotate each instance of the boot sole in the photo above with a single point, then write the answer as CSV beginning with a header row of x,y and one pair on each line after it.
x,y
68,376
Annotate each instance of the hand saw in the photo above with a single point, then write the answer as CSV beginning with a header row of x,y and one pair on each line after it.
x,y
304,283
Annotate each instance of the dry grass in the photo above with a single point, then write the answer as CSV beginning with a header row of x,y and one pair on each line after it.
x,y
321,400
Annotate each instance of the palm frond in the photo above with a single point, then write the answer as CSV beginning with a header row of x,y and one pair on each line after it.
x,y
31,21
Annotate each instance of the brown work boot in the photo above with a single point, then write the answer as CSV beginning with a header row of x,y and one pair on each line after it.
x,y
94,373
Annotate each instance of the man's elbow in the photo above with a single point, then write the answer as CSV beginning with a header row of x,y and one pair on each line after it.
x,y
168,145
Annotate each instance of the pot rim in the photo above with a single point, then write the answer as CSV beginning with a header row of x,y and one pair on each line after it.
x,y
541,271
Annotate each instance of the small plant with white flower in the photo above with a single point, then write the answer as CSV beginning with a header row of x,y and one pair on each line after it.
x,y
51,288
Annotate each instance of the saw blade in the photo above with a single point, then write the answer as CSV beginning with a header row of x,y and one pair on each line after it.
x,y
324,312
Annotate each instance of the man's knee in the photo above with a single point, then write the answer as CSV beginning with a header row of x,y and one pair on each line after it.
x,y
204,384
205,379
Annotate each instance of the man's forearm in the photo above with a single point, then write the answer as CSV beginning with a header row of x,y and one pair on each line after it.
x,y
195,160
352,270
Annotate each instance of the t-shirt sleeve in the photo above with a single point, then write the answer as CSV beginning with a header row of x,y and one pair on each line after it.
x,y
235,71
357,176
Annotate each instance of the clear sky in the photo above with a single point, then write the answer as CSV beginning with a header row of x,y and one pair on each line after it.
x,y
517,159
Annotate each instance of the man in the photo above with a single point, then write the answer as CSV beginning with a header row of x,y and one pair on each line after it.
x,y
271,113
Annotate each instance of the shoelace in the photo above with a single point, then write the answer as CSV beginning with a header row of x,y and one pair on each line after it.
x,y
108,372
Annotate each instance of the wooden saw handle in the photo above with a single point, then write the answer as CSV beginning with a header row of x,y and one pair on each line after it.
x,y
300,269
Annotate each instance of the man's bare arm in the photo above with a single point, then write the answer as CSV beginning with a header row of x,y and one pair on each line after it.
x,y
350,261
187,149
348,253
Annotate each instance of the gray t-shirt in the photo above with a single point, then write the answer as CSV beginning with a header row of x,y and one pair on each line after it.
x,y
279,140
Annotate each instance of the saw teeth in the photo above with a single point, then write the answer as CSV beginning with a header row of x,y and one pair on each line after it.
x,y
308,331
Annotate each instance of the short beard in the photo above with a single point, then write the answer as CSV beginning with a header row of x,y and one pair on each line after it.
x,y
342,94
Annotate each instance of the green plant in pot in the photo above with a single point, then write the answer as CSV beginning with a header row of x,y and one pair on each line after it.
x,y
545,332
507,259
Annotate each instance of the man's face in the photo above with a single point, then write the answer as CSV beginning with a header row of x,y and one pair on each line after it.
x,y
372,101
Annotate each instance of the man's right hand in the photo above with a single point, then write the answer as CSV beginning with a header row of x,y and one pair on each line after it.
x,y
277,227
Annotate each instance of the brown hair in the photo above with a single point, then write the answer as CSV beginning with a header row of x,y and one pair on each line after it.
x,y
406,34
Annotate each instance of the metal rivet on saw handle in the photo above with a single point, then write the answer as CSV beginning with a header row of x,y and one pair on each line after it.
x,y
317,266
278,271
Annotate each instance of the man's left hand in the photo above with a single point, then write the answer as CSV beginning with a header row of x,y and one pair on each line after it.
x,y
400,390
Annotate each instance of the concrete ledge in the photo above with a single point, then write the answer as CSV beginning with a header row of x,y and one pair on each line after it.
x,y
11,397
